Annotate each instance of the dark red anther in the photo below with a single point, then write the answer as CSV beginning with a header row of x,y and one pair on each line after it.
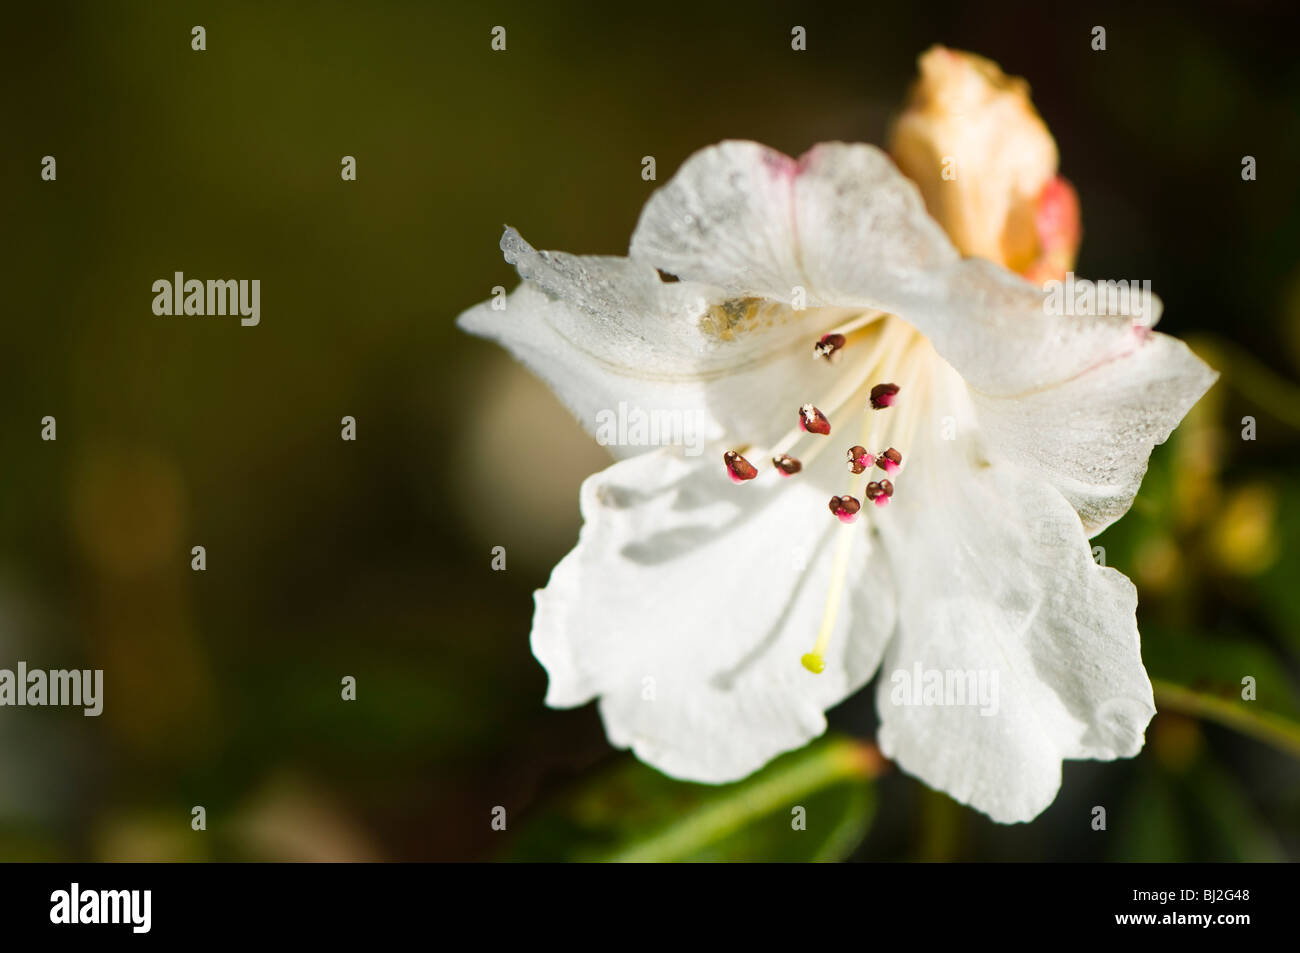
x,y
845,508
828,346
859,459
890,461
879,493
882,395
738,468
812,420
786,465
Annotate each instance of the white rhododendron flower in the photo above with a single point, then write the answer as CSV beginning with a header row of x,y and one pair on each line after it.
x,y
906,451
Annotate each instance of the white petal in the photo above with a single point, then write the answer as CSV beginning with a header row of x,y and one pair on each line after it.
x,y
997,577
843,223
837,221
867,241
1091,436
726,218
865,235
1079,400
608,331
690,590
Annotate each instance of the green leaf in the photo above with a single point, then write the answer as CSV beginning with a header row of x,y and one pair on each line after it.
x,y
1243,716
632,813
1214,663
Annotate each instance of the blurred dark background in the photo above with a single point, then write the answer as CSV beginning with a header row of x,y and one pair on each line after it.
x,y
372,559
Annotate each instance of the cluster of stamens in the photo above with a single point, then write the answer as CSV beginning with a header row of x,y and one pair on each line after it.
x,y
859,460
812,421
891,342
877,492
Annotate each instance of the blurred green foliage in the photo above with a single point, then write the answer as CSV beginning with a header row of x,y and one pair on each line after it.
x,y
809,805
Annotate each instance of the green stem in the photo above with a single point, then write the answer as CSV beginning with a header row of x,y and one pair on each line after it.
x,y
811,771
1264,726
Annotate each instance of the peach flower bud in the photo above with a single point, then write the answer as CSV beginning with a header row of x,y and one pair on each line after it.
x,y
971,140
